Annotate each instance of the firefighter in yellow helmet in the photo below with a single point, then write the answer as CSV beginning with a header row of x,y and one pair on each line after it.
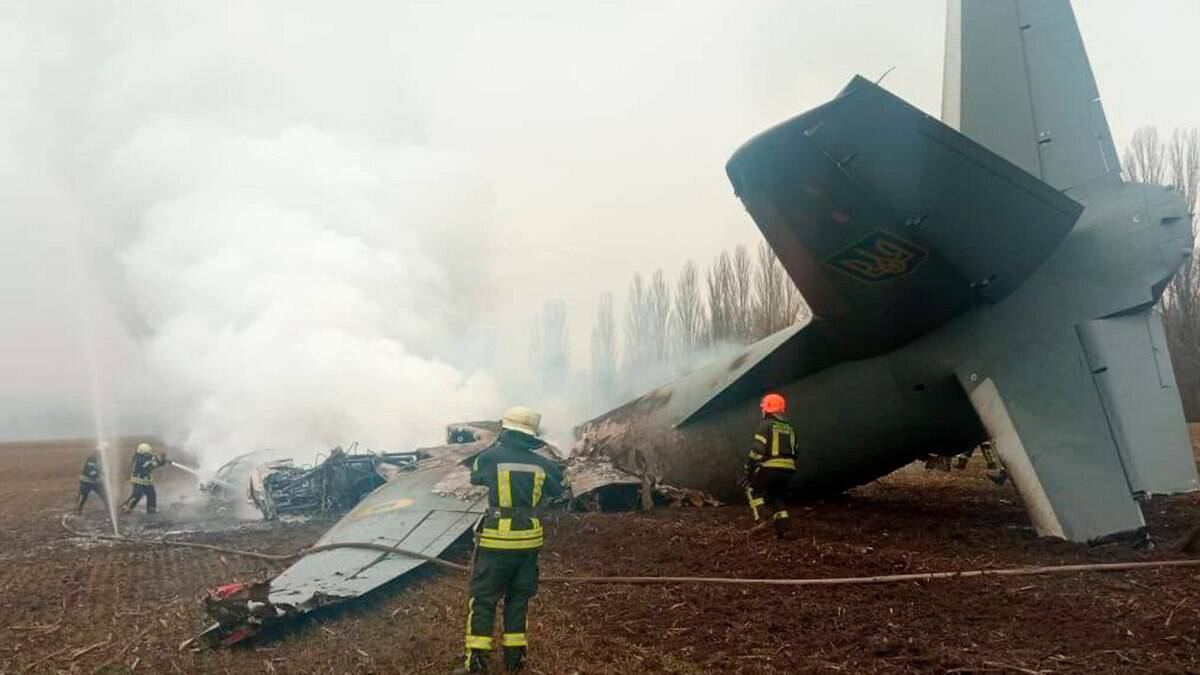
x,y
510,538
770,466
142,479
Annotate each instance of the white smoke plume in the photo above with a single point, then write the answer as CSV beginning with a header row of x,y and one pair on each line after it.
x,y
261,203
294,288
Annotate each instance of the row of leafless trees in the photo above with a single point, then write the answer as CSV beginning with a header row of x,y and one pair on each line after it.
x,y
1175,161
738,299
668,328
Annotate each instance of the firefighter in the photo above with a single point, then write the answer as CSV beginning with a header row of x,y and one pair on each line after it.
x,y
144,462
770,466
509,538
90,479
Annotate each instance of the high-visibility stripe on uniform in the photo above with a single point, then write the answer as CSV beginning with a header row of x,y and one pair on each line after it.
x,y
538,479
504,487
479,642
510,544
470,615
756,456
760,438
140,481
513,535
505,538
780,515
514,640
86,479
780,429
755,502
780,463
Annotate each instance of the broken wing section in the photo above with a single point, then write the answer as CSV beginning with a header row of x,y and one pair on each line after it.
x,y
1042,409
407,513
422,510
890,223
1017,80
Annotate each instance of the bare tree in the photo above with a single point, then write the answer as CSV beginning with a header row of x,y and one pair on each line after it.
x,y
1181,302
604,348
1176,162
767,314
743,283
548,342
794,306
639,331
687,319
658,309
1144,161
719,282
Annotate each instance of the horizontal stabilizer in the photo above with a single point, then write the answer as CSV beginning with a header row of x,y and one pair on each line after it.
x,y
1042,409
791,353
1130,363
891,223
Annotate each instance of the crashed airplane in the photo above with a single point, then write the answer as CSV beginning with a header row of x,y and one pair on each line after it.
x,y
987,276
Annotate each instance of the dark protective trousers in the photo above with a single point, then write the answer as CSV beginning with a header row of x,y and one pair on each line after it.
x,y
140,491
768,495
511,575
86,489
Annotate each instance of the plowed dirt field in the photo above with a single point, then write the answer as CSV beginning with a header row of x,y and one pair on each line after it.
x,y
73,607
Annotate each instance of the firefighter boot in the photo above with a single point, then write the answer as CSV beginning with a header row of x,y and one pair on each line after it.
x,y
475,662
782,522
514,659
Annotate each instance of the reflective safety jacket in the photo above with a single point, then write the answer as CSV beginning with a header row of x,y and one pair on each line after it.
x,y
774,445
91,470
143,464
517,480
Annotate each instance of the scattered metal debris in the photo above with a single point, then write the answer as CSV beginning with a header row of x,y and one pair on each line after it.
x,y
278,487
423,508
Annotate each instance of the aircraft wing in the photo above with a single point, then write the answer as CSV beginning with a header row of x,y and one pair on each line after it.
x,y
424,510
416,511
1017,80
891,223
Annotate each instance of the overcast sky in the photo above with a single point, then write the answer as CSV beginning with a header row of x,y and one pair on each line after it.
x,y
569,145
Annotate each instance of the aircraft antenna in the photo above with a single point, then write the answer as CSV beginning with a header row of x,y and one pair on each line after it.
x,y
885,74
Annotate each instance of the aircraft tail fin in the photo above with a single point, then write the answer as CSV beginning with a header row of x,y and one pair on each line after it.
x,y
1086,420
1018,81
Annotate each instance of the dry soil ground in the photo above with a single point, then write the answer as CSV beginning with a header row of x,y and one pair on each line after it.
x,y
67,607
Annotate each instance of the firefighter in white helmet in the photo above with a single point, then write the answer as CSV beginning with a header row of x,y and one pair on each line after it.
x,y
510,538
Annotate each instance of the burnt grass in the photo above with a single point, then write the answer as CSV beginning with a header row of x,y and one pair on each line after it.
x,y
74,608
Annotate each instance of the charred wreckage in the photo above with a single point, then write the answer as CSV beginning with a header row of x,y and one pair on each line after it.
x,y
395,503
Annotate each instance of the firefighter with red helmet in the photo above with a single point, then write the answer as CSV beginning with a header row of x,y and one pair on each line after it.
x,y
770,466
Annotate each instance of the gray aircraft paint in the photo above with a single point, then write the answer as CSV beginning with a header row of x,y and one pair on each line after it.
x,y
995,283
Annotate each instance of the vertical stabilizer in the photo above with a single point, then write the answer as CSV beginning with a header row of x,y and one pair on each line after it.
x,y
1018,81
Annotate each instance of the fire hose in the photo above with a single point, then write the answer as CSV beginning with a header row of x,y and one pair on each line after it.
x,y
644,580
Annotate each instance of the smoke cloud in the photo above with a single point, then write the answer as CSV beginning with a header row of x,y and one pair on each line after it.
x,y
294,290
295,224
